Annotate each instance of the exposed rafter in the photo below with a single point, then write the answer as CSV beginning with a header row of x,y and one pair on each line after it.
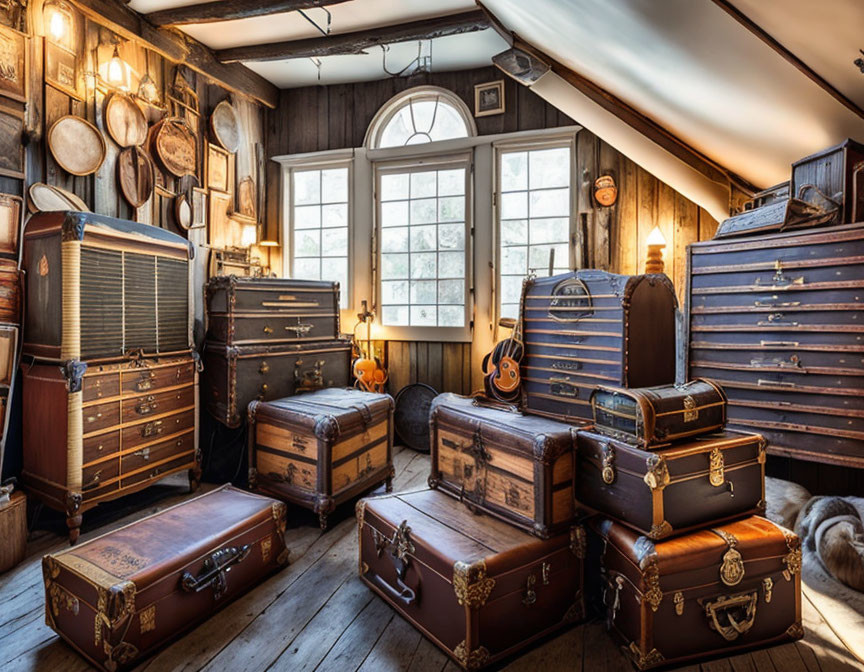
x,y
180,48
357,42
759,32
638,121
228,10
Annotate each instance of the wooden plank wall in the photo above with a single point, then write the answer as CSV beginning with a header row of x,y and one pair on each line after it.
x,y
323,118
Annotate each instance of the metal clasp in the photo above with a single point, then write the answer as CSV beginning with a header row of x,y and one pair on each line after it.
x,y
214,570
608,464
530,594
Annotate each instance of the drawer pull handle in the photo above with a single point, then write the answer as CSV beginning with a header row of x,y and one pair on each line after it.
x,y
774,304
145,408
143,384
144,453
99,448
268,330
94,418
779,344
299,329
179,442
264,368
93,482
779,383
213,573
152,429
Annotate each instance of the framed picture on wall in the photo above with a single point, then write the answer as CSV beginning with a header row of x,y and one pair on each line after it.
x,y
199,208
13,64
220,219
11,147
218,168
489,98
62,70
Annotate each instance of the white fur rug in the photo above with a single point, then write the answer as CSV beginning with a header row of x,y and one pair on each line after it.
x,y
834,528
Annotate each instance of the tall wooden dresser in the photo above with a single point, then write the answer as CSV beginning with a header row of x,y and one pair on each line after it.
x,y
110,381
778,321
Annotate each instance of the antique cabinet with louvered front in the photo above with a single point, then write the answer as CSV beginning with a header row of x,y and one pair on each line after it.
x,y
110,382
777,321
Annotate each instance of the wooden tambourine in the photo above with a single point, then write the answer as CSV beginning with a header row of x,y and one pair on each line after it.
x,y
125,121
76,145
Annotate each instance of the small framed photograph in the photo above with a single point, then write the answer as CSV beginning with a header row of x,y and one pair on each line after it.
x,y
10,223
489,98
199,208
13,64
220,219
218,168
11,146
62,70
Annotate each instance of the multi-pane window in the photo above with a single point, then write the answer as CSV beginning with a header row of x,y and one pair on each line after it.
x,y
319,225
534,217
423,241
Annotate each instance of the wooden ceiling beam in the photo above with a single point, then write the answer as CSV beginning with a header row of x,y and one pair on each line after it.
x,y
229,10
805,69
180,48
357,42
638,121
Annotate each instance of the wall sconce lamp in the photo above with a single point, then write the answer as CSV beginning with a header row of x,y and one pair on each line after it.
x,y
249,235
115,74
57,18
656,242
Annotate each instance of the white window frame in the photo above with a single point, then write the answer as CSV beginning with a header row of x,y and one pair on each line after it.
x,y
339,159
389,109
436,162
546,141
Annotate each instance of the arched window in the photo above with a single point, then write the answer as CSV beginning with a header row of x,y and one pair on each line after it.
x,y
419,115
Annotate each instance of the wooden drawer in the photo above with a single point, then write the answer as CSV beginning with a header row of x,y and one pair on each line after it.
x,y
156,404
94,476
147,379
152,430
102,386
157,471
101,445
156,453
100,416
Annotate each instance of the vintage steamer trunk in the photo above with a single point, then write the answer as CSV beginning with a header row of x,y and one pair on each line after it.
x,y
13,529
121,596
651,416
838,172
321,449
252,311
235,376
777,322
708,593
692,484
95,432
515,467
591,328
480,589
99,288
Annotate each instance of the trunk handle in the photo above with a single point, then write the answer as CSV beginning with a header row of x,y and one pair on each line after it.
x,y
398,548
730,605
214,570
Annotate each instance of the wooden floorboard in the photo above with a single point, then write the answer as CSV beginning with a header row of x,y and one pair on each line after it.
x,y
316,615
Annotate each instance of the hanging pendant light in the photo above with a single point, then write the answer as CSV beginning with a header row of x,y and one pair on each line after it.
x,y
115,75
147,89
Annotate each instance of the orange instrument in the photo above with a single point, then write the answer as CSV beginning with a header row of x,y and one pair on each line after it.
x,y
369,373
501,366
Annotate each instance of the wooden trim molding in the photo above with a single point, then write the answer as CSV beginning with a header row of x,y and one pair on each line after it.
x,y
229,10
358,41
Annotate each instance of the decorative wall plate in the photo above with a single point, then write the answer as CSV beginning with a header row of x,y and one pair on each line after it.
x,y
125,121
176,147
76,145
136,175
46,198
226,130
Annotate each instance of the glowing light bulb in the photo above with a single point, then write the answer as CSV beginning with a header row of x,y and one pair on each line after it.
x,y
116,71
656,237
57,25
249,235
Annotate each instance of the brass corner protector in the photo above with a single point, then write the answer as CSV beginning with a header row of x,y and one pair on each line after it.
x,y
660,530
578,541
793,557
644,660
471,585
280,515
471,660
795,631
651,578
657,473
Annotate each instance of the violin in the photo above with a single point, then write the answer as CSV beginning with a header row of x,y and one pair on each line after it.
x,y
502,379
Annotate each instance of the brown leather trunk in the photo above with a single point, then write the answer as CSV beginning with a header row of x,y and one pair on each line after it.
x,y
589,328
479,589
121,596
235,376
250,311
703,481
708,593
94,433
654,416
98,288
515,467
13,531
322,448
776,321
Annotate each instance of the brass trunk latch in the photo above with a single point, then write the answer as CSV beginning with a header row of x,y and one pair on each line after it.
x,y
716,475
732,567
678,601
608,464
214,570
767,587
691,412
530,594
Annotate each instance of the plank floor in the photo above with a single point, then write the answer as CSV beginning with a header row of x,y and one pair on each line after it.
x,y
316,615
